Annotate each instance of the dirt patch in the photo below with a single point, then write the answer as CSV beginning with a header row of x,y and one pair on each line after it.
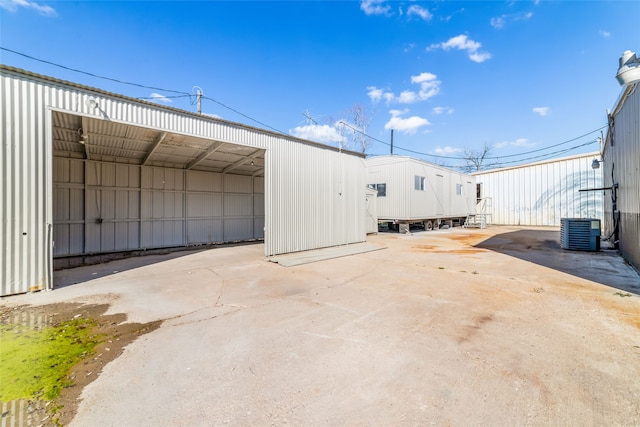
x,y
113,335
432,249
424,247
469,239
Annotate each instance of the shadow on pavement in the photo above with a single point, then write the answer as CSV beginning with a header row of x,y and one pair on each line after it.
x,y
542,247
75,275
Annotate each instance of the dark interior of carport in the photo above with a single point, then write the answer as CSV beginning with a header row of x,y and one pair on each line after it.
x,y
120,189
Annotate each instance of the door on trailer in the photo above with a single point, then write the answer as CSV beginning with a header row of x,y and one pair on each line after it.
x,y
439,195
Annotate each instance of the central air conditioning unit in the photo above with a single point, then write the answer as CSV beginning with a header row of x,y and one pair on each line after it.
x,y
580,234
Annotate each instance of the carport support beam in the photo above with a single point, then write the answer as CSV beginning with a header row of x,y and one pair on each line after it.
x,y
161,138
215,147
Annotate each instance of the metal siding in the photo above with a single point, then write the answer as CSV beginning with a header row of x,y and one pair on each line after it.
x,y
543,193
404,202
25,176
308,194
314,196
68,206
622,160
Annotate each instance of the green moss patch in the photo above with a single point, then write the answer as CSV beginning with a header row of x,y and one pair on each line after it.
x,y
36,362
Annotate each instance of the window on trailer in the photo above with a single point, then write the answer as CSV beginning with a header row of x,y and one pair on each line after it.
x,y
381,188
459,189
419,182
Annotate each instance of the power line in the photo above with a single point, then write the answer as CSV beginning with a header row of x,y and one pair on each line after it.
x,y
93,75
244,115
181,93
489,158
186,94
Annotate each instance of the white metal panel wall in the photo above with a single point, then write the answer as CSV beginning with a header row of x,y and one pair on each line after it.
x,y
314,195
542,193
68,206
112,200
621,165
162,207
26,182
313,198
258,207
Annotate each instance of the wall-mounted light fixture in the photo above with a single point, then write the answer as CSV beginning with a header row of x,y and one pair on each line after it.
x,y
595,164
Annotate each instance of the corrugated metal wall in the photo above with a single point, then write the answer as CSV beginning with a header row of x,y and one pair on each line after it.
x,y
441,196
621,165
313,196
127,207
25,172
542,193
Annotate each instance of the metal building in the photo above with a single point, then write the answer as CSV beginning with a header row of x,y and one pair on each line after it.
x,y
414,191
621,164
87,173
542,193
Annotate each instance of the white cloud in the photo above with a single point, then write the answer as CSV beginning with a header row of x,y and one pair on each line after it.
x,y
419,11
462,42
479,57
409,125
13,5
320,133
443,110
519,142
497,22
605,34
446,151
522,142
374,7
429,87
156,97
542,111
500,21
375,94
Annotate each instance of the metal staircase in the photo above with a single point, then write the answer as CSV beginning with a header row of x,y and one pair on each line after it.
x,y
481,218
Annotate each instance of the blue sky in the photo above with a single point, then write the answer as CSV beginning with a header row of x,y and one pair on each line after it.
x,y
520,77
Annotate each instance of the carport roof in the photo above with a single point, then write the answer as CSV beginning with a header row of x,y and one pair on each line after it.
x,y
101,140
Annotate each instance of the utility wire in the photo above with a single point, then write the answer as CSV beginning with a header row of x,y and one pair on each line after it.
x,y
464,158
185,94
181,93
244,115
94,75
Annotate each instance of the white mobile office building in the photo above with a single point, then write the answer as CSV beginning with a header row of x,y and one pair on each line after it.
x,y
412,191
86,173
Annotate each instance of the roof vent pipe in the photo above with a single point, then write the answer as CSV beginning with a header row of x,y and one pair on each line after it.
x,y
629,71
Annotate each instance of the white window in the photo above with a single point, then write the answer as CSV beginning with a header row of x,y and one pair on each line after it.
x,y
459,189
419,182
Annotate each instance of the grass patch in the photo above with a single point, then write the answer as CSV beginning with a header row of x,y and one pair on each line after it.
x,y
623,294
36,362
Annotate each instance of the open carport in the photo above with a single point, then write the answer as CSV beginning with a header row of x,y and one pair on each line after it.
x,y
89,175
451,327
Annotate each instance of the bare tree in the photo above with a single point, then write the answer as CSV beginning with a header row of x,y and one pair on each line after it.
x,y
477,160
357,120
